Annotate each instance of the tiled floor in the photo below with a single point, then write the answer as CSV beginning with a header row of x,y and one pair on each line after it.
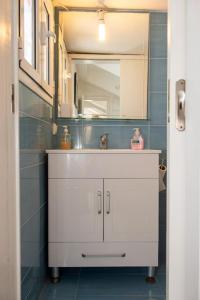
x,y
105,284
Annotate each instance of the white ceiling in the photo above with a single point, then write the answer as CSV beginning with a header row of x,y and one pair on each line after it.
x,y
125,33
130,4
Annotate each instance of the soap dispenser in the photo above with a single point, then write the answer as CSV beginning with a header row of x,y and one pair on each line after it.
x,y
137,141
65,142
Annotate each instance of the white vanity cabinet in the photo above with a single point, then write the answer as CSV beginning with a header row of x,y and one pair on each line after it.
x,y
103,208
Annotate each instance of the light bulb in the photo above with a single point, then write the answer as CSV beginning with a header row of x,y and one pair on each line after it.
x,y
102,30
102,26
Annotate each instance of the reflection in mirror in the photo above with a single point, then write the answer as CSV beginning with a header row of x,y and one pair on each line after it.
x,y
99,80
97,87
110,88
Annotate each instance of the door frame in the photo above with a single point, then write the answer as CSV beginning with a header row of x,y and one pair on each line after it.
x,y
10,279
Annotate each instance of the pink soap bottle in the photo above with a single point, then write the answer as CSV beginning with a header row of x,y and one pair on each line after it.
x,y
137,141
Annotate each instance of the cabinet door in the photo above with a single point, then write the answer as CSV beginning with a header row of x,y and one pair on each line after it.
x,y
131,210
75,210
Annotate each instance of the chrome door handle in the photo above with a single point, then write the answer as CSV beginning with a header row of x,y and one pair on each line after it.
x,y
99,195
108,202
180,105
87,255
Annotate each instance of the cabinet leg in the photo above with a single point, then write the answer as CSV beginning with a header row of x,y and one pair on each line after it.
x,y
55,275
151,275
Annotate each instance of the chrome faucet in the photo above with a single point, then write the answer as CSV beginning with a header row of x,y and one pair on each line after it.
x,y
103,142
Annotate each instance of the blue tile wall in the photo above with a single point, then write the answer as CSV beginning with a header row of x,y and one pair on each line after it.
x,y
85,133
35,138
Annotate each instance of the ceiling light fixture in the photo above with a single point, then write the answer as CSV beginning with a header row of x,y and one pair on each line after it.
x,y
102,26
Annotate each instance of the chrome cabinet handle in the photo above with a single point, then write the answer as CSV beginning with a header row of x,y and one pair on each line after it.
x,y
180,105
108,202
87,255
99,195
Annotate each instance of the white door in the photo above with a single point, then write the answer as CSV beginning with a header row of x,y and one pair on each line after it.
x,y
75,210
130,210
184,155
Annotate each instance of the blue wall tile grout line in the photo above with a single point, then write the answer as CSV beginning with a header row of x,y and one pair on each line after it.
x,y
36,118
33,165
33,215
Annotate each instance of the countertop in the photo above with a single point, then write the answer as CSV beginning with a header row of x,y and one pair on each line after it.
x,y
99,151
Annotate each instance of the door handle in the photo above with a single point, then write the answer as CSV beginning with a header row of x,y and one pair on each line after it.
x,y
108,202
180,105
99,195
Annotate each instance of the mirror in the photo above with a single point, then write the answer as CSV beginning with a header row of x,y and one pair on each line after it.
x,y
92,81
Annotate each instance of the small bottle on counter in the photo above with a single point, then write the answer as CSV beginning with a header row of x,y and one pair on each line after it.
x,y
65,143
137,141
